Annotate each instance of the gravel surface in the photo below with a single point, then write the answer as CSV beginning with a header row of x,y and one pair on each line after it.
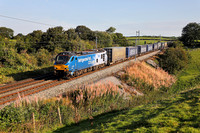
x,y
55,91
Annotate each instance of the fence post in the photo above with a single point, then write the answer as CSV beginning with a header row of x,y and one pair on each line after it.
x,y
59,115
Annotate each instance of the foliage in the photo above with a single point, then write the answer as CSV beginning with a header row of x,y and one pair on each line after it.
x,y
118,38
175,44
104,39
190,75
85,33
6,32
53,38
174,59
18,52
80,104
191,34
178,114
111,30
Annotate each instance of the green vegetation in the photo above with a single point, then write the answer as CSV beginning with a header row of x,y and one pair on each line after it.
x,y
190,75
148,39
191,34
178,114
23,56
82,104
162,108
174,59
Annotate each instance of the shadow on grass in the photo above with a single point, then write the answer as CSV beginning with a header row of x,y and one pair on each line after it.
x,y
137,123
31,74
90,124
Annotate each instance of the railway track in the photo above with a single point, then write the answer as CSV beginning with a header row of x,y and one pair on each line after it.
x,y
14,91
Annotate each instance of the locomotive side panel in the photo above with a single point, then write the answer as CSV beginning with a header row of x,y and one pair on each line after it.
x,y
91,60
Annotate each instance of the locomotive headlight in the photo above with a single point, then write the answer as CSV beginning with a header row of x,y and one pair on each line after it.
x,y
67,68
55,68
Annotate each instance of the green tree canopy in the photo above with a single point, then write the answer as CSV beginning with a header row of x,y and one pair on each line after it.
x,y
191,34
54,37
85,33
118,38
104,39
72,35
6,32
111,30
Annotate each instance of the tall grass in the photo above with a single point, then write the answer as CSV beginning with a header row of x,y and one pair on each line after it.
x,y
84,102
140,72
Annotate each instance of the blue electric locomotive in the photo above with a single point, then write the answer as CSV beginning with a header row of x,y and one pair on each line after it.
x,y
76,63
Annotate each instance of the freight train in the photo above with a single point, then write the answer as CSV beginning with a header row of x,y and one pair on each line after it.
x,y
70,64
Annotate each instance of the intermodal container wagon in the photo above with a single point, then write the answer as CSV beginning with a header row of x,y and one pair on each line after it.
x,y
115,54
149,47
159,45
131,51
141,49
155,46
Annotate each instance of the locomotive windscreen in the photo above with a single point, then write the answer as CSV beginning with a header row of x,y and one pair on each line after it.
x,y
62,59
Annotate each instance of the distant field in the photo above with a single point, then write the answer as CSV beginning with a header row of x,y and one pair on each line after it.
x,y
148,39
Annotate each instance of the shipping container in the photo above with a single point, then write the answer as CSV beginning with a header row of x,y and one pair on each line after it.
x,y
149,47
155,46
162,45
115,54
142,49
159,45
165,44
131,51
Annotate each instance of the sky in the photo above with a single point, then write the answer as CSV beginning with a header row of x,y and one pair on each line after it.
x,y
150,17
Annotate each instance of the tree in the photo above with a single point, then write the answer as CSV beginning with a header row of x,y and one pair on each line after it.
x,y
72,35
111,30
54,37
85,33
104,39
6,32
174,59
118,38
175,44
191,34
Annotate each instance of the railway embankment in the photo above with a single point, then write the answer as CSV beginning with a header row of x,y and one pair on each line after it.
x,y
84,105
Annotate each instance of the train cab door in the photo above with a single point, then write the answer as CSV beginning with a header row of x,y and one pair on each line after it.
x,y
72,65
76,64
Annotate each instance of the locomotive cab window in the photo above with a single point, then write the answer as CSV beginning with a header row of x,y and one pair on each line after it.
x,y
72,59
62,59
97,60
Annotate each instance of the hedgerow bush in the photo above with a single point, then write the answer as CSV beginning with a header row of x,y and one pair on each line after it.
x,y
174,59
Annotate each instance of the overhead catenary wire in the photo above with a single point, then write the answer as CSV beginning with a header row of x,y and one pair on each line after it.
x,y
30,21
